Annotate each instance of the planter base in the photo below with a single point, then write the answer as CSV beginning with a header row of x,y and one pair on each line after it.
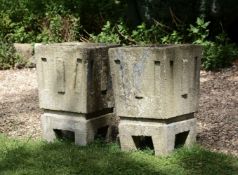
x,y
164,137
62,124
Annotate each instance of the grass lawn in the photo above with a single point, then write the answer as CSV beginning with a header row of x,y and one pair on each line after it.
x,y
37,157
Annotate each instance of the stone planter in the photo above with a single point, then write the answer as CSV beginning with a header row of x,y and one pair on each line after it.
x,y
155,89
74,79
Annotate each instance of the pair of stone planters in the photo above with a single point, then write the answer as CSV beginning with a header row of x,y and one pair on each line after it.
x,y
155,92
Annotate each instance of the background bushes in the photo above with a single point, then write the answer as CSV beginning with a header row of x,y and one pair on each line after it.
x,y
207,22
55,20
9,58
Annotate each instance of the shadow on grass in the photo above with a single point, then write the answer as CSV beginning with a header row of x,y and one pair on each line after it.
x,y
65,158
17,157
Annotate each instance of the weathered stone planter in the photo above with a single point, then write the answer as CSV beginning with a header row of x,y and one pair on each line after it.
x,y
74,81
24,50
156,93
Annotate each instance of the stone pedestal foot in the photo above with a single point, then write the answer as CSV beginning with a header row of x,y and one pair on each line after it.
x,y
84,129
165,137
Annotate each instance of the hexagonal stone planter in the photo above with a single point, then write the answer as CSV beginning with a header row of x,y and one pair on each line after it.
x,y
156,93
74,79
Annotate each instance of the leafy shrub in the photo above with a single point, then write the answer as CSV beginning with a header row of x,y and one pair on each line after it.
x,y
49,21
199,32
217,54
28,21
107,35
57,28
172,38
121,34
5,25
147,35
9,58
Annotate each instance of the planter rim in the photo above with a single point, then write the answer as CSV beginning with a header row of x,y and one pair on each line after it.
x,y
158,46
77,44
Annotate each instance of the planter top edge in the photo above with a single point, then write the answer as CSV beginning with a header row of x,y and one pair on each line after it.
x,y
160,46
77,44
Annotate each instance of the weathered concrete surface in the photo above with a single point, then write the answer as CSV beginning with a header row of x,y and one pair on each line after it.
x,y
84,130
24,50
163,135
74,77
155,82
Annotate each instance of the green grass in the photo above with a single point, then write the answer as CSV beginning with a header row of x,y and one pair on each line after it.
x,y
18,157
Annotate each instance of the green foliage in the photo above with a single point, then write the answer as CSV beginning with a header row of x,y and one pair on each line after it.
x,y
29,21
199,32
172,38
37,157
8,57
34,21
121,34
217,54
57,28
5,25
108,35
53,22
141,34
18,22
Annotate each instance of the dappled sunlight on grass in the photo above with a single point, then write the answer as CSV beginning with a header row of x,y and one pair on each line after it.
x,y
38,157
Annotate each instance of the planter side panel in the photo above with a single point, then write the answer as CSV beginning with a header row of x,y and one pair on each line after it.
x,y
73,78
155,82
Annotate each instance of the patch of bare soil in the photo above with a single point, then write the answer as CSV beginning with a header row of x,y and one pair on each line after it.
x,y
217,115
19,108
218,110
